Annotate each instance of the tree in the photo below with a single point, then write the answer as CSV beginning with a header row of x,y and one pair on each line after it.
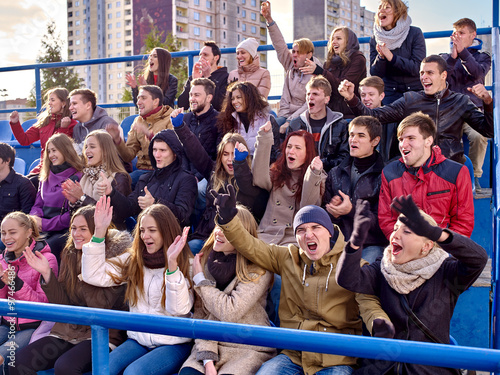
x,y
51,51
178,67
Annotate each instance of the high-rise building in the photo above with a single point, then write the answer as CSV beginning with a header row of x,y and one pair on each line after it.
x,y
315,19
113,28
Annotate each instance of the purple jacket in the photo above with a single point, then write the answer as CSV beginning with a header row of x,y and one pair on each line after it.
x,y
26,283
50,203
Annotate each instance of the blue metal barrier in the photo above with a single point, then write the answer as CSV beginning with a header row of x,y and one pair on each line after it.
x,y
330,343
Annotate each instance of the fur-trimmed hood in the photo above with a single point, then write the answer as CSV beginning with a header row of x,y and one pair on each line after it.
x,y
117,243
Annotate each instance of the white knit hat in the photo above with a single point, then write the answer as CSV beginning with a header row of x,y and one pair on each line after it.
x,y
250,45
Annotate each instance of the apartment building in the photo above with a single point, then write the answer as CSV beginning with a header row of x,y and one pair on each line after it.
x,y
113,28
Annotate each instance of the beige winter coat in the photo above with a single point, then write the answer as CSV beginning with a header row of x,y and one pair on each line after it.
x,y
240,302
253,73
276,226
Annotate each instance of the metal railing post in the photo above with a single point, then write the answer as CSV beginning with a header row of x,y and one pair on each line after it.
x,y
190,64
38,90
100,350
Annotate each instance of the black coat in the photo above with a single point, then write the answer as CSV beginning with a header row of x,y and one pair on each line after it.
x,y
433,302
253,197
367,187
168,96
172,186
219,77
17,193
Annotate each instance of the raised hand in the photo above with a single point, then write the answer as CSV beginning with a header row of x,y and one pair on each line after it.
x,y
14,117
413,219
317,164
142,81
240,151
102,216
114,131
140,128
146,200
225,204
480,91
38,262
363,219
175,249
265,10
131,80
346,89
266,127
176,117
309,67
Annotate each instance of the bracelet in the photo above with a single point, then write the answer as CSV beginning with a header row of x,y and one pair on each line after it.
x,y
171,272
270,24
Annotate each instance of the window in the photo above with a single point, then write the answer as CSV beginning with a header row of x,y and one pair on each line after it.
x,y
119,96
196,16
70,4
77,32
110,26
118,85
196,31
70,52
118,65
129,64
196,2
70,24
118,25
77,51
209,19
119,75
118,35
77,42
224,34
110,36
77,13
70,14
128,12
128,32
110,86
128,43
70,43
110,96
238,10
118,14
243,27
223,6
254,3
209,33
254,30
209,4
77,23
70,33
110,76
110,45
238,23
243,1
110,6
224,20
196,45
110,16
118,4
118,45
243,13
253,16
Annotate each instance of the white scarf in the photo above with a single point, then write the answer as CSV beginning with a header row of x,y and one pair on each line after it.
x,y
406,277
395,37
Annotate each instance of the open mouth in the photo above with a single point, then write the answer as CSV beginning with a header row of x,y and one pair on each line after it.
x,y
295,62
8,244
291,159
406,152
312,246
311,105
354,147
396,248
382,17
230,167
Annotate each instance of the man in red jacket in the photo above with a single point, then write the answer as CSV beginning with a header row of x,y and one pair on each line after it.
x,y
439,186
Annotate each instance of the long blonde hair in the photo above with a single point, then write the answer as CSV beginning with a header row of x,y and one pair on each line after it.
x,y
133,270
331,52
244,267
65,146
220,177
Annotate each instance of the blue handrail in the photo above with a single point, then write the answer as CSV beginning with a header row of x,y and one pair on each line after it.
x,y
351,345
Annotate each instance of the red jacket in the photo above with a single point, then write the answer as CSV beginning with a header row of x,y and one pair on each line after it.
x,y
35,133
441,187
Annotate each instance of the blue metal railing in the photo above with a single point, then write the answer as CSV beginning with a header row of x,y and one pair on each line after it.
x,y
350,345
189,54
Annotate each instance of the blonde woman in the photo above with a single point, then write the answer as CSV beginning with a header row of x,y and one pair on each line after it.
x,y
230,289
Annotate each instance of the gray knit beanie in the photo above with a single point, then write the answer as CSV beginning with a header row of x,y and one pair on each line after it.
x,y
250,45
313,214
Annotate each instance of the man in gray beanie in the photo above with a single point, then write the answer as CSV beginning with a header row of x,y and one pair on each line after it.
x,y
310,297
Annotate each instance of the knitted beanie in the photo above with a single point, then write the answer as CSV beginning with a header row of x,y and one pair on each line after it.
x,y
313,214
250,45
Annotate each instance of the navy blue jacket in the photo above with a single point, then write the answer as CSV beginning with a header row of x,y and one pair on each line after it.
x,y
17,193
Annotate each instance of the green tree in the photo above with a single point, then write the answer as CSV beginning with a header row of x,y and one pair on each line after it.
x,y
51,51
172,44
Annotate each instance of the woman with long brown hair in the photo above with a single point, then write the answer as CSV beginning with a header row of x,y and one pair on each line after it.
x,y
156,270
156,72
68,347
295,180
230,289
51,208
344,61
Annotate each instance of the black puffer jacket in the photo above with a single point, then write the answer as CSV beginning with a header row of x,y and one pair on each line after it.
x,y
449,111
168,95
367,187
219,77
253,197
171,186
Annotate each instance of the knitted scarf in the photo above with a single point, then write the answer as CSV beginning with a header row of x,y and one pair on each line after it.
x,y
395,37
222,267
404,278
155,260
93,173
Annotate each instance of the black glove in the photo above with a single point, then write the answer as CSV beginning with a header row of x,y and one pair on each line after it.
x,y
383,328
225,204
362,223
413,219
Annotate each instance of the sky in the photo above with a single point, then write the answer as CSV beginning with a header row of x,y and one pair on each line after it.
x,y
23,23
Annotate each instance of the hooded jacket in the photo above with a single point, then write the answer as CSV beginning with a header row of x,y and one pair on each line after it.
x,y
179,296
26,282
433,302
90,296
468,69
354,72
311,299
293,98
50,203
441,188
137,143
401,74
99,120
448,109
171,185
333,147
34,133
366,187
253,73
219,77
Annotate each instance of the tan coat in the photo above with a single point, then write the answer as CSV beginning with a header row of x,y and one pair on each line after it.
x,y
310,297
240,302
138,144
276,226
253,73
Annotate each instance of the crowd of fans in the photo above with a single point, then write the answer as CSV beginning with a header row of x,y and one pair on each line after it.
x,y
236,209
